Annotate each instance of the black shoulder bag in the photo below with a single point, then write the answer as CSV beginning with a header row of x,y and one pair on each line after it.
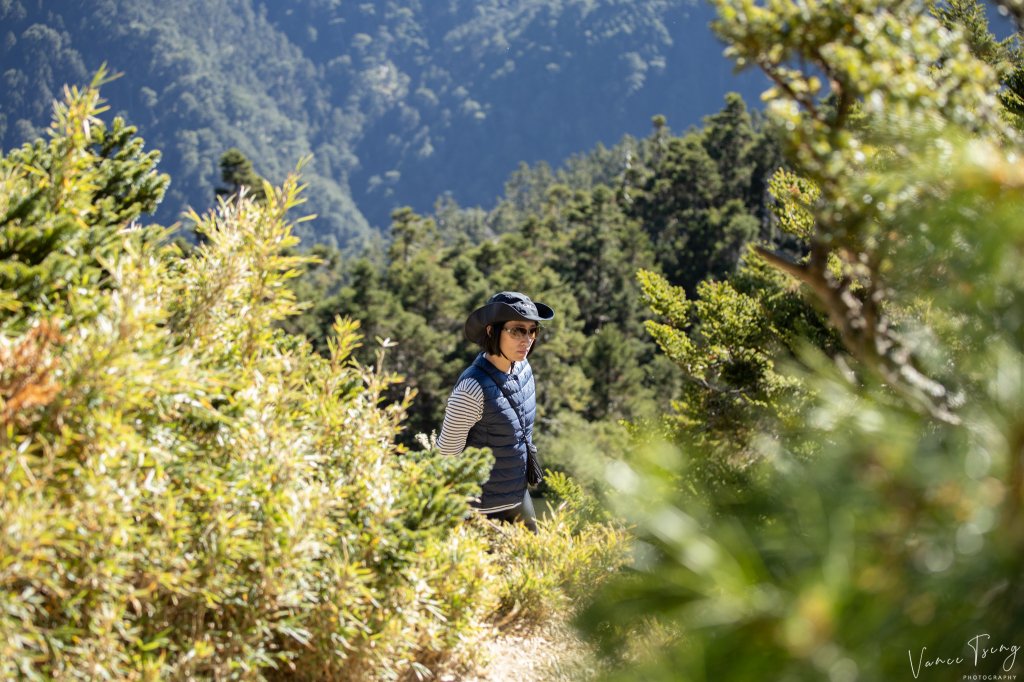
x,y
534,470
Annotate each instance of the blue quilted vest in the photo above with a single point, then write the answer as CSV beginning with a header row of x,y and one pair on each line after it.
x,y
499,429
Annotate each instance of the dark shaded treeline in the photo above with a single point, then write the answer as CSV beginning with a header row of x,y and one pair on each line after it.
x,y
684,206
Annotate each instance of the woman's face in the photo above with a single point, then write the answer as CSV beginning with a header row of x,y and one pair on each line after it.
x,y
517,339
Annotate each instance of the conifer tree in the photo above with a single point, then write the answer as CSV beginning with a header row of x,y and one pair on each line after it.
x,y
238,175
64,202
729,138
676,205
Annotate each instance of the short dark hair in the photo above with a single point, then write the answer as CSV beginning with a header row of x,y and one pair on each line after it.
x,y
492,338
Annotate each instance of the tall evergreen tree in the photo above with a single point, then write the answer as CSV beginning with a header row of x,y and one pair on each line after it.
x,y
729,138
237,175
604,249
676,205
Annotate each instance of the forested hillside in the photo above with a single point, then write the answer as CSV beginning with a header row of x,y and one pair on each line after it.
x,y
684,206
782,400
398,102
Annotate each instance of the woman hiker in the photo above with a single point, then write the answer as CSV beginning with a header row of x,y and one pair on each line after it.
x,y
493,404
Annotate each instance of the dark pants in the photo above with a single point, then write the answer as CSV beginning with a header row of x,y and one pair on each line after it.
x,y
524,514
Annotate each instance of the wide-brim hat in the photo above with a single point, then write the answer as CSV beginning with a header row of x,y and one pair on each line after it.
x,y
506,306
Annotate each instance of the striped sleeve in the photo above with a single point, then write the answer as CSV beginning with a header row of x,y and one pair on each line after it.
x,y
465,408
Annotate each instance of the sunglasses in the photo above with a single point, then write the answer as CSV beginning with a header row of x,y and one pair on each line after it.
x,y
520,333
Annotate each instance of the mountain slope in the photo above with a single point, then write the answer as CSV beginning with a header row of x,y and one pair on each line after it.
x,y
398,102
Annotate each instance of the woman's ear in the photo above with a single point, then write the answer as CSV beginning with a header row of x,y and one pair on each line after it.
x,y
488,330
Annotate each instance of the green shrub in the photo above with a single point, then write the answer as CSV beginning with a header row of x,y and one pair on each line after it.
x,y
185,490
577,547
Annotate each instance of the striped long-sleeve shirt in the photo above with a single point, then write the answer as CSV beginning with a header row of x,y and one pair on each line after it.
x,y
465,408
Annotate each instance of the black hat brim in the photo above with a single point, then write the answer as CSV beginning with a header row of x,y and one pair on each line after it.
x,y
476,324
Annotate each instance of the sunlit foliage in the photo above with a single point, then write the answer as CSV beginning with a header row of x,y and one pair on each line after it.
x,y
187,491
890,545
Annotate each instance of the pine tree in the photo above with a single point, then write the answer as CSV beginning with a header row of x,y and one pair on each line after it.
x,y
65,202
729,138
603,250
677,207
238,175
